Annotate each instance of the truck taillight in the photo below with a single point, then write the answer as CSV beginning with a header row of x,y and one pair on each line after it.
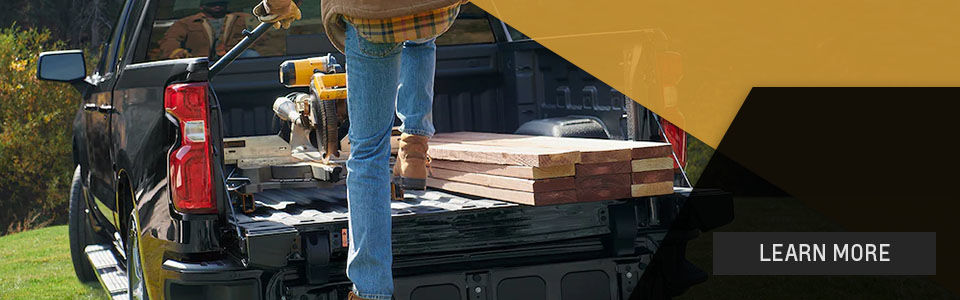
x,y
678,139
670,72
190,164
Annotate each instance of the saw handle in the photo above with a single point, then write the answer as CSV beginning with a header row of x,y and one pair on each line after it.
x,y
286,109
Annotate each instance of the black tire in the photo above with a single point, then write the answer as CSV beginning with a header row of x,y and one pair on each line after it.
x,y
137,286
79,230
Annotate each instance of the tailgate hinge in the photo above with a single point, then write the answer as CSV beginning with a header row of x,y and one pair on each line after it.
x,y
316,248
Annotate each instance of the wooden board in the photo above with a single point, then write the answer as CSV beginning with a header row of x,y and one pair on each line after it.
x,y
529,198
652,150
524,156
603,187
639,149
506,170
602,181
651,164
600,194
617,167
651,189
510,183
591,150
652,176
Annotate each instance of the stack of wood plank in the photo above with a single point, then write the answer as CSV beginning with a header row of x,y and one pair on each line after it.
x,y
540,170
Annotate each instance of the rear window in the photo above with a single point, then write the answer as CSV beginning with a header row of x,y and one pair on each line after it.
x,y
472,27
202,28
205,28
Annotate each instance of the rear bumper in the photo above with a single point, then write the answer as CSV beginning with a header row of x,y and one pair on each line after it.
x,y
598,279
608,278
587,280
219,279
602,265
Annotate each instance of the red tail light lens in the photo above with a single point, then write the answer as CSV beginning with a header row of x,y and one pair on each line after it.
x,y
678,139
190,164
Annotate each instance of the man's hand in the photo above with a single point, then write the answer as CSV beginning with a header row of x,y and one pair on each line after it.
x,y
281,17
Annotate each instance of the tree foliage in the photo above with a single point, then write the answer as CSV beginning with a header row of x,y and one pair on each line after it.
x,y
80,23
36,117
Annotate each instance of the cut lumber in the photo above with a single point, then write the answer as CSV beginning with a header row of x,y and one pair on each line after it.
x,y
617,167
506,170
602,181
643,150
600,194
591,150
603,187
651,164
529,198
639,149
539,170
525,156
651,189
653,176
510,183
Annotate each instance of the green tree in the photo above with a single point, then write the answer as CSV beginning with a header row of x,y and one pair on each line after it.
x,y
80,23
36,118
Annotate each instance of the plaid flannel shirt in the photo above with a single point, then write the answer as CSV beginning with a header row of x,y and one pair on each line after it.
x,y
427,24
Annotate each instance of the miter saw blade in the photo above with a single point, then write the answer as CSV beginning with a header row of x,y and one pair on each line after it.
x,y
327,128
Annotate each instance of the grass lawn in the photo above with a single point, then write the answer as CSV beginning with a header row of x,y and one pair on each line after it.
x,y
787,214
36,265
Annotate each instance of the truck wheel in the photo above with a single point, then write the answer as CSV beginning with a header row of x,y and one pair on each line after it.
x,y
78,228
136,284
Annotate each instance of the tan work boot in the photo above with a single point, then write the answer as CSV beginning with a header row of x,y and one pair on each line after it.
x,y
352,296
410,169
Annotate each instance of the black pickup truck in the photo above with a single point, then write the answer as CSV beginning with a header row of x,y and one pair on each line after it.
x,y
154,211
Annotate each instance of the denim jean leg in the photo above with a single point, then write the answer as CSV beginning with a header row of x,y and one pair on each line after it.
x,y
373,72
415,99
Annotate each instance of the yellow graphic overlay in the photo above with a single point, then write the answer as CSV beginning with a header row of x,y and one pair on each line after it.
x,y
693,62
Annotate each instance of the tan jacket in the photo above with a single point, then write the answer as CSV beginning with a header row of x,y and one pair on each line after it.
x,y
194,34
331,10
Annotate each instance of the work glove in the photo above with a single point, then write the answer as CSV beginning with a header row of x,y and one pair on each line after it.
x,y
179,53
280,17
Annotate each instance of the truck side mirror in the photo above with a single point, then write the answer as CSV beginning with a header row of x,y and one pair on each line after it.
x,y
63,66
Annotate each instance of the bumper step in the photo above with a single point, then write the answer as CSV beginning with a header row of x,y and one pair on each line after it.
x,y
112,276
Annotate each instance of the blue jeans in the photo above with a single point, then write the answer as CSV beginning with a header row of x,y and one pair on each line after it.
x,y
382,79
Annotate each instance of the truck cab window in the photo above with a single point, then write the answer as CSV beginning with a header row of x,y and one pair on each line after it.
x,y
516,35
108,52
209,28
130,23
472,27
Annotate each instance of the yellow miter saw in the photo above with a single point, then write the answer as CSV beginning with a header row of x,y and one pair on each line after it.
x,y
318,123
315,117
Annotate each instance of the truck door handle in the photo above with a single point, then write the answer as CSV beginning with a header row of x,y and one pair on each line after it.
x,y
90,107
105,108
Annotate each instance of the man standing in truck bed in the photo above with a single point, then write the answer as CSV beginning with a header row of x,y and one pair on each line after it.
x,y
391,58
